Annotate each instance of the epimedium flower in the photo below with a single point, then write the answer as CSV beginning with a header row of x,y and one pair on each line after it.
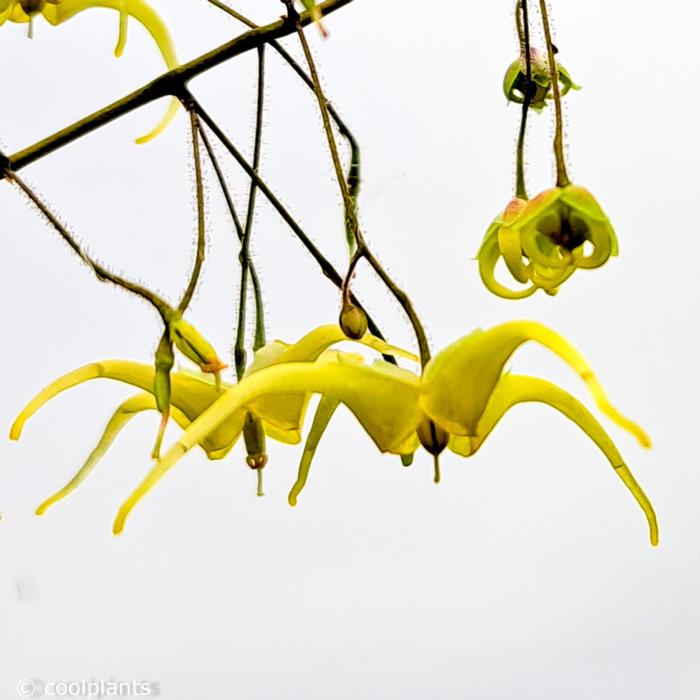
x,y
515,81
543,241
279,417
58,11
462,394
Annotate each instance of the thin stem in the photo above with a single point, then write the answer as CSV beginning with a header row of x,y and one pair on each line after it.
x,y
562,175
406,305
201,217
326,267
523,24
361,249
239,351
354,171
102,274
348,203
257,291
171,83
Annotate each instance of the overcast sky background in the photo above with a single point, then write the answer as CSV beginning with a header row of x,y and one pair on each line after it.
x,y
527,573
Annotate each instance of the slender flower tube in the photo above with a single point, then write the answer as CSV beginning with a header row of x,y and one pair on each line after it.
x,y
58,11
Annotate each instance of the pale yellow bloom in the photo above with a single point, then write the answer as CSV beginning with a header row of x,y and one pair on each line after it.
x,y
192,392
461,396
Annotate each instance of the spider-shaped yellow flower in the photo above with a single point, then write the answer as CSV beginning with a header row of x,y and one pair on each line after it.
x,y
544,240
58,11
462,394
192,392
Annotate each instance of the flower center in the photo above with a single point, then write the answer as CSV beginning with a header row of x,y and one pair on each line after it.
x,y
31,7
565,228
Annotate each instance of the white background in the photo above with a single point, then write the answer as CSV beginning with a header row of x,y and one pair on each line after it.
x,y
527,573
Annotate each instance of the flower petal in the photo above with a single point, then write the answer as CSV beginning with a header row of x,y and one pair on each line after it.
x,y
602,238
488,258
384,400
286,413
458,382
581,200
190,395
511,249
324,413
513,389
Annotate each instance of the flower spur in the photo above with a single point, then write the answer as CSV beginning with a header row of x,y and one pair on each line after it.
x,y
463,393
58,11
192,392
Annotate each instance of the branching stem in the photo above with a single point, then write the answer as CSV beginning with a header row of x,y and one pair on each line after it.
x,y
102,273
354,232
172,83
326,267
257,291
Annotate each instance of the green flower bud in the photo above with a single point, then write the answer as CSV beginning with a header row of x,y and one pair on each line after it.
x,y
190,342
515,84
353,321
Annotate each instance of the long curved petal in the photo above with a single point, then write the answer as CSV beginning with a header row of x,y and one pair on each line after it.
x,y
513,389
383,399
488,257
192,396
457,383
286,413
324,413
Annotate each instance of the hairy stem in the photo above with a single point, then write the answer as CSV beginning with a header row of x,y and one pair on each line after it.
x,y
244,257
354,171
257,291
172,83
102,274
354,233
562,175
326,267
201,217
523,23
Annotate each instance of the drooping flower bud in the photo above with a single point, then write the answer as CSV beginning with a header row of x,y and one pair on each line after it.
x,y
192,344
515,84
434,439
353,321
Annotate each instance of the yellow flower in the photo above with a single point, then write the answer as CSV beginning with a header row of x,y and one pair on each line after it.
x,y
58,11
192,393
461,396
544,240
